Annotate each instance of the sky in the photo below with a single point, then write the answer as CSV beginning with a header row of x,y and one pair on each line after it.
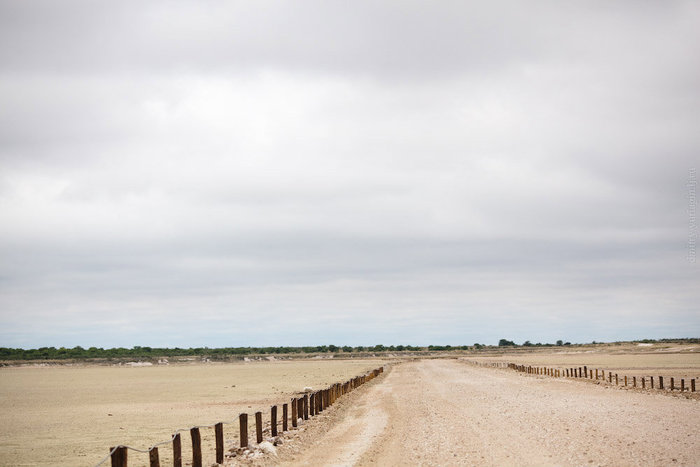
x,y
254,173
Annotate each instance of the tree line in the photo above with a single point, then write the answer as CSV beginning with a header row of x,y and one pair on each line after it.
x,y
78,352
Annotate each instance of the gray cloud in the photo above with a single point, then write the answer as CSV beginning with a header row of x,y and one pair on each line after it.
x,y
361,173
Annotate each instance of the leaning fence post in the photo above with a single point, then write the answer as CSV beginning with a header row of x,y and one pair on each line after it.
x,y
177,450
118,456
153,459
219,434
243,419
196,447
273,420
258,426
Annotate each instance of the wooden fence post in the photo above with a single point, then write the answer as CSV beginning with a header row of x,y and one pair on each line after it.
x,y
177,450
196,447
285,416
661,382
616,380
585,372
651,382
153,459
294,412
625,380
692,385
243,419
118,456
634,381
672,385
258,427
644,382
596,374
682,384
306,406
312,404
219,435
273,420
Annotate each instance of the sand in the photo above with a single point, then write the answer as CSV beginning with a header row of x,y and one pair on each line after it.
x,y
445,412
70,416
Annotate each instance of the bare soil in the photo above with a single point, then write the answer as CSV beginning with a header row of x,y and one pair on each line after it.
x,y
71,415
449,413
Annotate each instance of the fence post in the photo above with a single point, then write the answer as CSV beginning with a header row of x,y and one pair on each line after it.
x,y
312,404
219,434
625,380
118,456
661,382
616,380
585,372
651,381
153,458
177,450
258,426
273,420
672,385
644,382
634,381
306,406
285,416
692,385
682,384
596,374
294,412
196,447
243,419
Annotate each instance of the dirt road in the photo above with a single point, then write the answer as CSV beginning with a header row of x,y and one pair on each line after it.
x,y
445,412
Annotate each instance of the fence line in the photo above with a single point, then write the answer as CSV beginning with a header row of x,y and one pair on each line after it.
x,y
301,408
586,374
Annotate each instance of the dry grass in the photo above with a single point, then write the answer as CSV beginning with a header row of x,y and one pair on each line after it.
x,y
70,416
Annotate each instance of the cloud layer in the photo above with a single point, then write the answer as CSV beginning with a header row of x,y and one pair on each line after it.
x,y
204,173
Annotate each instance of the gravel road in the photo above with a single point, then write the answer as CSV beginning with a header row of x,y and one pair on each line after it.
x,y
446,412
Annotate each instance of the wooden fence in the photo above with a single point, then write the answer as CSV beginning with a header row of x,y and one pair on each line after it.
x,y
595,374
299,408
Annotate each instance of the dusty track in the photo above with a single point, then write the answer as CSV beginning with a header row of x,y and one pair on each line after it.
x,y
444,412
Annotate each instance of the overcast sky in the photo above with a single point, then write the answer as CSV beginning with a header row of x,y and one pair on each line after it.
x,y
191,173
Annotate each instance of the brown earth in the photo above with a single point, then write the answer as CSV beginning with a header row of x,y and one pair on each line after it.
x,y
446,412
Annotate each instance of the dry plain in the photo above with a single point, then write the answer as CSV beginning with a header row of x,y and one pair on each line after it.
x,y
421,412
444,412
70,415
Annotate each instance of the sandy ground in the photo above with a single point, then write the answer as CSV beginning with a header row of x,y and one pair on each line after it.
x,y
445,412
71,415
685,364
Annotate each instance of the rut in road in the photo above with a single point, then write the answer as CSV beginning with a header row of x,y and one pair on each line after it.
x,y
446,412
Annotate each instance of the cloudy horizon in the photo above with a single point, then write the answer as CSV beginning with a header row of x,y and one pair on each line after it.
x,y
306,173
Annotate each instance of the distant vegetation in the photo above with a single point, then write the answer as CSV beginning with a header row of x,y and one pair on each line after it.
x,y
62,353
